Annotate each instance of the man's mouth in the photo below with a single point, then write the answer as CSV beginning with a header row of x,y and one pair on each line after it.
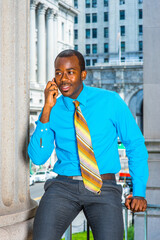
x,y
65,87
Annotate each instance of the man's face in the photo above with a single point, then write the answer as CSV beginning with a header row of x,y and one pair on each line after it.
x,y
68,76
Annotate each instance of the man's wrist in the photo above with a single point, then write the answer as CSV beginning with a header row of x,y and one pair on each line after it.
x,y
45,114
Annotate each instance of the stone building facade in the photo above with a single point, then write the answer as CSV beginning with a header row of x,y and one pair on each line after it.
x,y
51,31
109,30
125,79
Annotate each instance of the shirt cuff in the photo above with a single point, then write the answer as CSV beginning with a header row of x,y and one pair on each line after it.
x,y
42,126
139,190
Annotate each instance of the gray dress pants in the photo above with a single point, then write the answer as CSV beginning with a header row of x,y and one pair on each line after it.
x,y
64,198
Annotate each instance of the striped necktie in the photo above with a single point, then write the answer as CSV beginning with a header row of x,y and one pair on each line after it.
x,y
89,168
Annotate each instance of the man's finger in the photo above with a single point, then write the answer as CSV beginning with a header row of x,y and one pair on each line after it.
x,y
127,203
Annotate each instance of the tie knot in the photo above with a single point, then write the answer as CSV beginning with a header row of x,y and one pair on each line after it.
x,y
76,103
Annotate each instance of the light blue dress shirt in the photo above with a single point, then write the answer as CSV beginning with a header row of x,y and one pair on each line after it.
x,y
108,117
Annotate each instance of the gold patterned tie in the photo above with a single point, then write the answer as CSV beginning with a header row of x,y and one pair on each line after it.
x,y
89,168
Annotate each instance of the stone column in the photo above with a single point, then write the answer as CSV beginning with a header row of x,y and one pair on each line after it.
x,y
32,41
41,50
16,208
55,35
50,45
151,125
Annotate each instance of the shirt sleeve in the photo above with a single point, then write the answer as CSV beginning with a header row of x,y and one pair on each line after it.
x,y
133,140
41,143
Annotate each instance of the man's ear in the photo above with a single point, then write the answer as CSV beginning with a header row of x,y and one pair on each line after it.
x,y
83,75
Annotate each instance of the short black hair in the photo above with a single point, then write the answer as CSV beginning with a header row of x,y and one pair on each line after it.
x,y
70,53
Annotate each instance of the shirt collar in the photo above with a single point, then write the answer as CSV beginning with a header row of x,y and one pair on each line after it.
x,y
82,99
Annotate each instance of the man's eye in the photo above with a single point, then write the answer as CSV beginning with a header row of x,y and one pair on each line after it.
x,y
58,73
70,72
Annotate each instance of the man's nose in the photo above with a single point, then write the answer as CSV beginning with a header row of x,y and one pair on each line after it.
x,y
64,76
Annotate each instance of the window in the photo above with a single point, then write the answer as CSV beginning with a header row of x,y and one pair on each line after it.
x,y
94,48
122,14
106,47
94,33
141,59
123,59
122,28
105,3
88,18
105,32
88,62
140,13
140,46
94,61
76,47
88,33
87,3
140,1
94,3
106,60
123,46
121,2
140,29
76,3
76,19
94,17
105,16
88,49
75,34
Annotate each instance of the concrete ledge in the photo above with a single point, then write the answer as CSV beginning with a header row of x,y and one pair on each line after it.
x,y
21,216
19,231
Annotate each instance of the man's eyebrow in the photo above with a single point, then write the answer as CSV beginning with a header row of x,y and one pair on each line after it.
x,y
57,69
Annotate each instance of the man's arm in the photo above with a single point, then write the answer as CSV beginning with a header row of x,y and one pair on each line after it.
x,y
42,141
133,140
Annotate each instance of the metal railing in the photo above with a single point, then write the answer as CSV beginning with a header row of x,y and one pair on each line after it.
x,y
68,233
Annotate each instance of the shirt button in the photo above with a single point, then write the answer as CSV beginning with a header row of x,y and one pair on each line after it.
x,y
41,130
46,129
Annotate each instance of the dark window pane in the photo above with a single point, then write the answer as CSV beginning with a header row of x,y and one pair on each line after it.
x,y
76,19
94,48
88,62
105,3
87,3
94,17
94,33
105,16
140,46
87,33
122,14
76,47
122,30
88,49
123,45
106,60
106,47
87,18
121,2
140,13
106,32
75,34
123,59
94,3
94,61
140,29
76,3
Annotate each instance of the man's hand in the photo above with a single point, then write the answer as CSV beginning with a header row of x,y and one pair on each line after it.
x,y
51,93
136,204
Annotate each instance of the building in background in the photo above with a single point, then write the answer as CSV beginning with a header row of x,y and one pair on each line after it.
x,y
51,31
109,30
